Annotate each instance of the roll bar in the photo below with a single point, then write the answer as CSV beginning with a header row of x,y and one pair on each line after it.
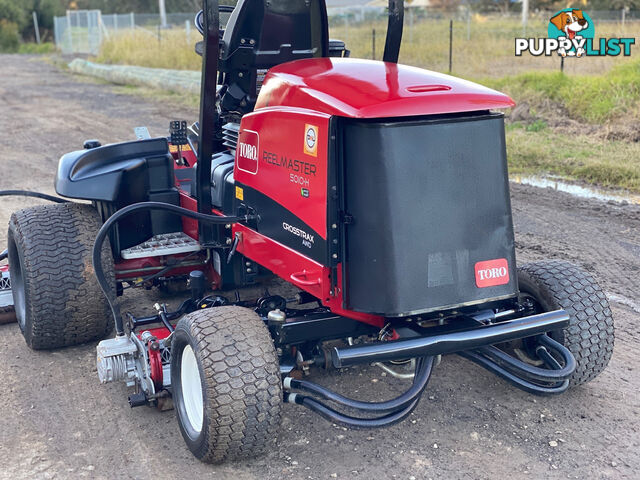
x,y
208,115
394,31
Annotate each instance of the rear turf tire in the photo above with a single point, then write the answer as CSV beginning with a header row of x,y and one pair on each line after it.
x,y
225,377
556,284
57,298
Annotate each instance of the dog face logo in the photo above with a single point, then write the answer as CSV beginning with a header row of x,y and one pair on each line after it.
x,y
571,33
570,25
570,22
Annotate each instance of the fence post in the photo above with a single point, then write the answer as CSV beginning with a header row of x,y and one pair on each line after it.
x,y
410,24
450,43
35,27
69,30
561,64
346,29
373,44
133,20
468,23
187,27
56,33
624,14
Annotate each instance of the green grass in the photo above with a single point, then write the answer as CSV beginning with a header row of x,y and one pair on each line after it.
x,y
145,49
591,98
581,157
34,48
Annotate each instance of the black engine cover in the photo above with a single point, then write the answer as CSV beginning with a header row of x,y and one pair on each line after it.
x,y
429,199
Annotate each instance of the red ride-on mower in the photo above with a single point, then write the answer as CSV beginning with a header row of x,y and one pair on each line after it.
x,y
378,191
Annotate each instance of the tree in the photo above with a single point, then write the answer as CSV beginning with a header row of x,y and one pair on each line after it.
x,y
12,12
45,11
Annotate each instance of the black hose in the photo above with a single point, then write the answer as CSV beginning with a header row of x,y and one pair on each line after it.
x,y
136,207
425,365
4,254
556,373
27,193
521,383
421,378
354,422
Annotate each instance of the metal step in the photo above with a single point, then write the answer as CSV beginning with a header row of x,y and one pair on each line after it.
x,y
163,244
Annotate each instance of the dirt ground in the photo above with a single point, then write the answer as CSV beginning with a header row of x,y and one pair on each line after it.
x,y
56,421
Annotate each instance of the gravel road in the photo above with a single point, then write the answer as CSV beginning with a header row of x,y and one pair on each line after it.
x,y
56,421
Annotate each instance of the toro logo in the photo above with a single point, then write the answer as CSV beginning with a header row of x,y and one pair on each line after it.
x,y
247,153
491,273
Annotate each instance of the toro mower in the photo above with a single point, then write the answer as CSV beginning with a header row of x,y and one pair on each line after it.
x,y
377,193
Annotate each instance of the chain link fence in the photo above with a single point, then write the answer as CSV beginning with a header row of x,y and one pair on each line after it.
x,y
80,31
83,31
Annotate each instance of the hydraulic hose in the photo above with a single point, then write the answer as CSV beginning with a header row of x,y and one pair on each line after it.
x,y
423,372
137,207
519,382
27,193
349,421
424,364
4,254
556,372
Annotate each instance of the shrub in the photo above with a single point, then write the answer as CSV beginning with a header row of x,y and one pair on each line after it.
x,y
9,37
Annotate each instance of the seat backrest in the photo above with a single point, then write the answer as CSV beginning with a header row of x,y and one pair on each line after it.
x,y
263,33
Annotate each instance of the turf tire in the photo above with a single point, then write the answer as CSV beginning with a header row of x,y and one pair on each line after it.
x,y
57,298
240,383
556,284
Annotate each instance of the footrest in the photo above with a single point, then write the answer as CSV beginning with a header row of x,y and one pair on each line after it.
x,y
163,244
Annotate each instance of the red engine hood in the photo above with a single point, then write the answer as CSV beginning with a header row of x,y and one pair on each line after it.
x,y
370,89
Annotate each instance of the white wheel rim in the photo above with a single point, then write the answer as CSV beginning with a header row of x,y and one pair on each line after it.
x,y
191,387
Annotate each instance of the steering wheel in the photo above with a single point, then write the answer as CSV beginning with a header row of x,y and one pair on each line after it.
x,y
199,20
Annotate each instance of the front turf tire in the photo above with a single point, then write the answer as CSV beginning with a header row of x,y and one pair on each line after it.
x,y
556,284
57,298
228,353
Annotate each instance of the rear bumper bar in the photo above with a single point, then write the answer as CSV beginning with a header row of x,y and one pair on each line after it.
x,y
453,342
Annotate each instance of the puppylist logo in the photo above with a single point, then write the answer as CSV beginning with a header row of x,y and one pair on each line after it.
x,y
571,34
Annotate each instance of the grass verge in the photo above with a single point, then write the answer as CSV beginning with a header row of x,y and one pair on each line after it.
x,y
591,98
38,49
577,157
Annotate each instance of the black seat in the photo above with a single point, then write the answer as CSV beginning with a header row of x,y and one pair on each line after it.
x,y
263,33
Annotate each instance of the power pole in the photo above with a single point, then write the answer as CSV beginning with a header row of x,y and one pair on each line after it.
x,y
163,13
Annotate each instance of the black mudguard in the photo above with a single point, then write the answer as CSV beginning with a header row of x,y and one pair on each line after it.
x,y
117,175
